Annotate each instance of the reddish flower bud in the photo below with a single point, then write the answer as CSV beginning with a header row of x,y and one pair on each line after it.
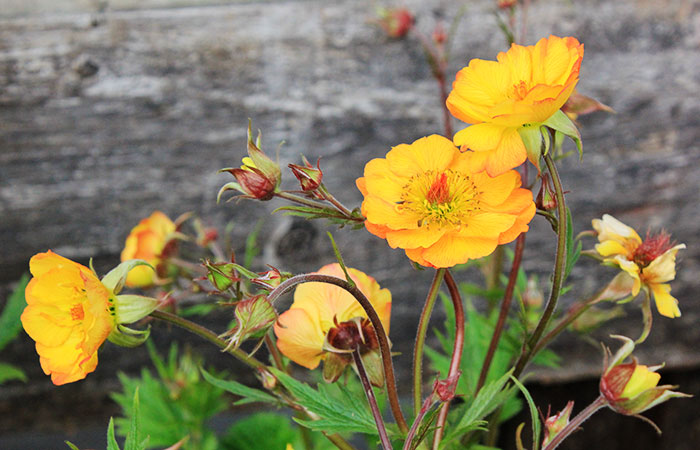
x,y
505,4
439,34
271,279
445,389
554,424
579,104
309,177
396,22
545,197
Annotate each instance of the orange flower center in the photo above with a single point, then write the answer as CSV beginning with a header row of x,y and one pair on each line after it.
x,y
520,90
76,312
439,199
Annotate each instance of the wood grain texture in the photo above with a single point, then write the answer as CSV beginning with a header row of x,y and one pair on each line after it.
x,y
108,114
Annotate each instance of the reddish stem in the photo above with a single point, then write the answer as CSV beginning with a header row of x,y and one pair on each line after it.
x,y
456,360
505,307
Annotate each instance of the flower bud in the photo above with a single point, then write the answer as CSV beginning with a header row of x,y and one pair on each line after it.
x,y
259,177
254,316
267,379
309,177
221,275
631,388
445,389
545,197
439,34
554,424
506,4
396,22
271,279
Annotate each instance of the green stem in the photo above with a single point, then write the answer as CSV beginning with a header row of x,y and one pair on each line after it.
x,y
334,201
382,338
209,336
557,276
274,352
369,392
456,361
420,340
576,422
503,314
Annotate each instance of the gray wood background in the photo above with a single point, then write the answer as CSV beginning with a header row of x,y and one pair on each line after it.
x,y
111,109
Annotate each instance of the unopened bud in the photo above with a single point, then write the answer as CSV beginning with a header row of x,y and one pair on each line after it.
x,y
267,379
221,275
309,177
396,22
506,4
254,316
554,424
271,279
545,197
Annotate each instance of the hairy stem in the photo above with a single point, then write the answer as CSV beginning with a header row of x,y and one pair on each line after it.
x,y
209,336
420,339
456,360
503,314
274,352
576,422
367,386
382,338
557,276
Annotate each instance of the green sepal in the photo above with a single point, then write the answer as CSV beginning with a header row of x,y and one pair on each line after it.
x,y
249,274
116,278
130,308
127,337
334,365
230,186
561,122
532,138
372,361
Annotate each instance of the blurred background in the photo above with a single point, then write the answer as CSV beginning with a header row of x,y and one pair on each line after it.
x,y
110,109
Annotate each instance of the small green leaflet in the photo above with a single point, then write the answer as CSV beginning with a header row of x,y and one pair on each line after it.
x,y
339,411
533,414
249,394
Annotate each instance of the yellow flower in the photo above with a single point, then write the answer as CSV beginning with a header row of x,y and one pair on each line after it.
x,y
525,87
301,331
651,263
68,315
426,198
147,241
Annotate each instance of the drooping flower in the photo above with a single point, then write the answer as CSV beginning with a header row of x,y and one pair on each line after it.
x,y
651,263
427,199
508,100
147,241
70,313
631,388
318,308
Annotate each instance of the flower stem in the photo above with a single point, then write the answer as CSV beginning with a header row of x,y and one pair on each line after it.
x,y
209,336
274,352
334,201
576,422
383,437
503,314
557,276
456,360
382,338
420,339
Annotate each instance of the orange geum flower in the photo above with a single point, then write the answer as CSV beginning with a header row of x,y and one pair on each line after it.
x,y
147,241
651,263
319,307
508,101
427,199
70,313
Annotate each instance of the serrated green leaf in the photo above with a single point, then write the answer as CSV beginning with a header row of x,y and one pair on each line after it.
x,y
9,319
8,372
488,399
340,412
250,395
132,437
533,414
262,431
